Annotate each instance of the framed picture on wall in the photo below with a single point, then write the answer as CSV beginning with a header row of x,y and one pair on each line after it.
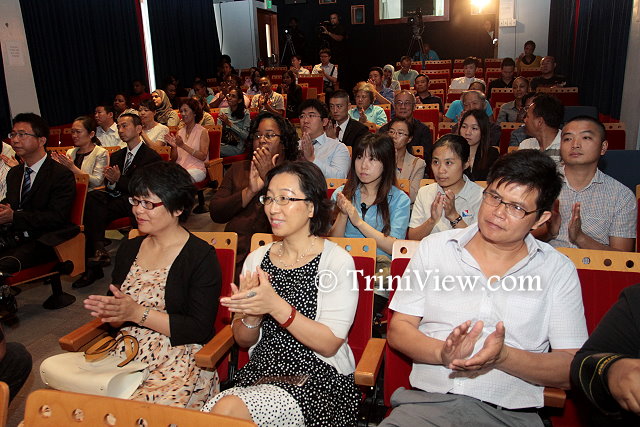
x,y
326,1
357,14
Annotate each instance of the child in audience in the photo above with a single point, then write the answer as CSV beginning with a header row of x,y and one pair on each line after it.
x,y
453,200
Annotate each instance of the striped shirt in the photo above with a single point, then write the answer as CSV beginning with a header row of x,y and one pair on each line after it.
x,y
607,209
552,150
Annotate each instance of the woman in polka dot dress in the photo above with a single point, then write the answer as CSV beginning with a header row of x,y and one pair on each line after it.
x,y
295,306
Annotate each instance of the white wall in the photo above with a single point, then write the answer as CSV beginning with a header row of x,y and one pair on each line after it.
x,y
630,100
15,57
532,18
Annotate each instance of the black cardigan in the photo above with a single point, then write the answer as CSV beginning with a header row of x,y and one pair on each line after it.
x,y
192,289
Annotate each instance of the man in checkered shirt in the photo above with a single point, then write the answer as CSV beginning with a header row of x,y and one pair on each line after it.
x,y
594,211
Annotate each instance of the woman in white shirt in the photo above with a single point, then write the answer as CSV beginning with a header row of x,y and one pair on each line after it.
x,y
453,200
297,331
86,157
152,132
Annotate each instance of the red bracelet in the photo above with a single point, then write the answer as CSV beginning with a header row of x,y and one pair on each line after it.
x,y
289,321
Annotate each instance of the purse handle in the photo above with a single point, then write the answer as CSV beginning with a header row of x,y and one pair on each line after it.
x,y
103,347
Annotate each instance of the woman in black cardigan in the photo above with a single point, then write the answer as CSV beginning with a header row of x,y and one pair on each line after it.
x,y
165,289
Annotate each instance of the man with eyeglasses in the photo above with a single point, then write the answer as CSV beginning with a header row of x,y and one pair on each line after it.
x,y
35,214
102,207
489,315
405,105
342,127
330,155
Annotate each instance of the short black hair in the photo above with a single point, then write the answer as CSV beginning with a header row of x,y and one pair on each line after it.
x,y
297,56
532,43
325,50
508,62
149,104
470,60
170,182
404,58
108,107
38,124
422,75
602,132
550,109
316,105
378,69
533,169
409,123
137,121
314,186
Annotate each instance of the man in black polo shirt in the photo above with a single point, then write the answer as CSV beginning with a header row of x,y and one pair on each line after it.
x,y
507,67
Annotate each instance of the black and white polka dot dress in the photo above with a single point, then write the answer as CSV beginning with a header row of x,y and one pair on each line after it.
x,y
328,398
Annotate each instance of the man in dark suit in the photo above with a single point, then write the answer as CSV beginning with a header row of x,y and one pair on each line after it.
x,y
35,214
343,128
102,207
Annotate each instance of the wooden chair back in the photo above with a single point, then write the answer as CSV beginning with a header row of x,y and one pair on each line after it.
x,y
418,151
445,128
60,408
427,113
164,151
501,95
4,403
566,95
616,135
443,64
404,184
453,95
506,128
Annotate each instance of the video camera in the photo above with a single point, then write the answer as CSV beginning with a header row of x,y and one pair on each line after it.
x,y
414,19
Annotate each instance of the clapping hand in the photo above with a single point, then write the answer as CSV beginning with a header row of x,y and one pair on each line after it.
x,y
117,308
112,173
255,296
306,146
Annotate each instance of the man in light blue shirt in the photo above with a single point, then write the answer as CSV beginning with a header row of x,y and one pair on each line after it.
x,y
330,155
406,72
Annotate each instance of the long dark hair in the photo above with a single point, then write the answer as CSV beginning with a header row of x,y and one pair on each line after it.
x,y
484,144
239,112
378,147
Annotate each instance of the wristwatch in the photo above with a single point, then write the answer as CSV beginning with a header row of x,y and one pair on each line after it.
x,y
455,222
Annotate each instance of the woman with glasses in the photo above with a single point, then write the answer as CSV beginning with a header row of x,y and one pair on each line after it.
x,y
165,288
86,157
190,146
301,368
474,126
453,200
407,165
235,121
236,202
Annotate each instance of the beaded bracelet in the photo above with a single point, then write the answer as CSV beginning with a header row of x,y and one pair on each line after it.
x,y
248,326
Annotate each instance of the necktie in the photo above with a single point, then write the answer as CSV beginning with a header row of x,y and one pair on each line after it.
x,y
127,162
338,134
26,182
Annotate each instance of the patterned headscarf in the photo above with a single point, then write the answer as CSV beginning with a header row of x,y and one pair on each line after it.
x,y
164,110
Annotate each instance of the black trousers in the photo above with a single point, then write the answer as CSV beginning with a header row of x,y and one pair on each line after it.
x,y
15,367
100,209
28,254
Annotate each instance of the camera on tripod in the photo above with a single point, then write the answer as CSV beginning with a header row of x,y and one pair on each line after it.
x,y
414,19
323,25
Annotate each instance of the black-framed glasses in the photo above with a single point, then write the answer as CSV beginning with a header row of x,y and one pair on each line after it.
x,y
145,203
280,200
513,210
21,135
393,132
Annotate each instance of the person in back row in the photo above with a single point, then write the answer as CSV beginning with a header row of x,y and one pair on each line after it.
x,y
594,211
469,65
543,120
406,72
107,130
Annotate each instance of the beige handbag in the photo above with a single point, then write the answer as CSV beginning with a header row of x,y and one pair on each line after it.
x,y
97,371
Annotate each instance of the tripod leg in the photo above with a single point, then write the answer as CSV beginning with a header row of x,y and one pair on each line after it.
x,y
422,58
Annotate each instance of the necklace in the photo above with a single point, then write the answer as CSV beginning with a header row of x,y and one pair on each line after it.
x,y
300,257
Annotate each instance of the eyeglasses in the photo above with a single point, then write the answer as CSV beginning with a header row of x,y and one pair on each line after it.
x,y
280,200
393,132
75,131
267,136
513,210
145,203
311,116
403,103
21,135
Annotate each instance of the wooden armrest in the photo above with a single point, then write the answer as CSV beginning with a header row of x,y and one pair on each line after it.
x,y
215,349
554,397
73,250
369,365
75,340
213,162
